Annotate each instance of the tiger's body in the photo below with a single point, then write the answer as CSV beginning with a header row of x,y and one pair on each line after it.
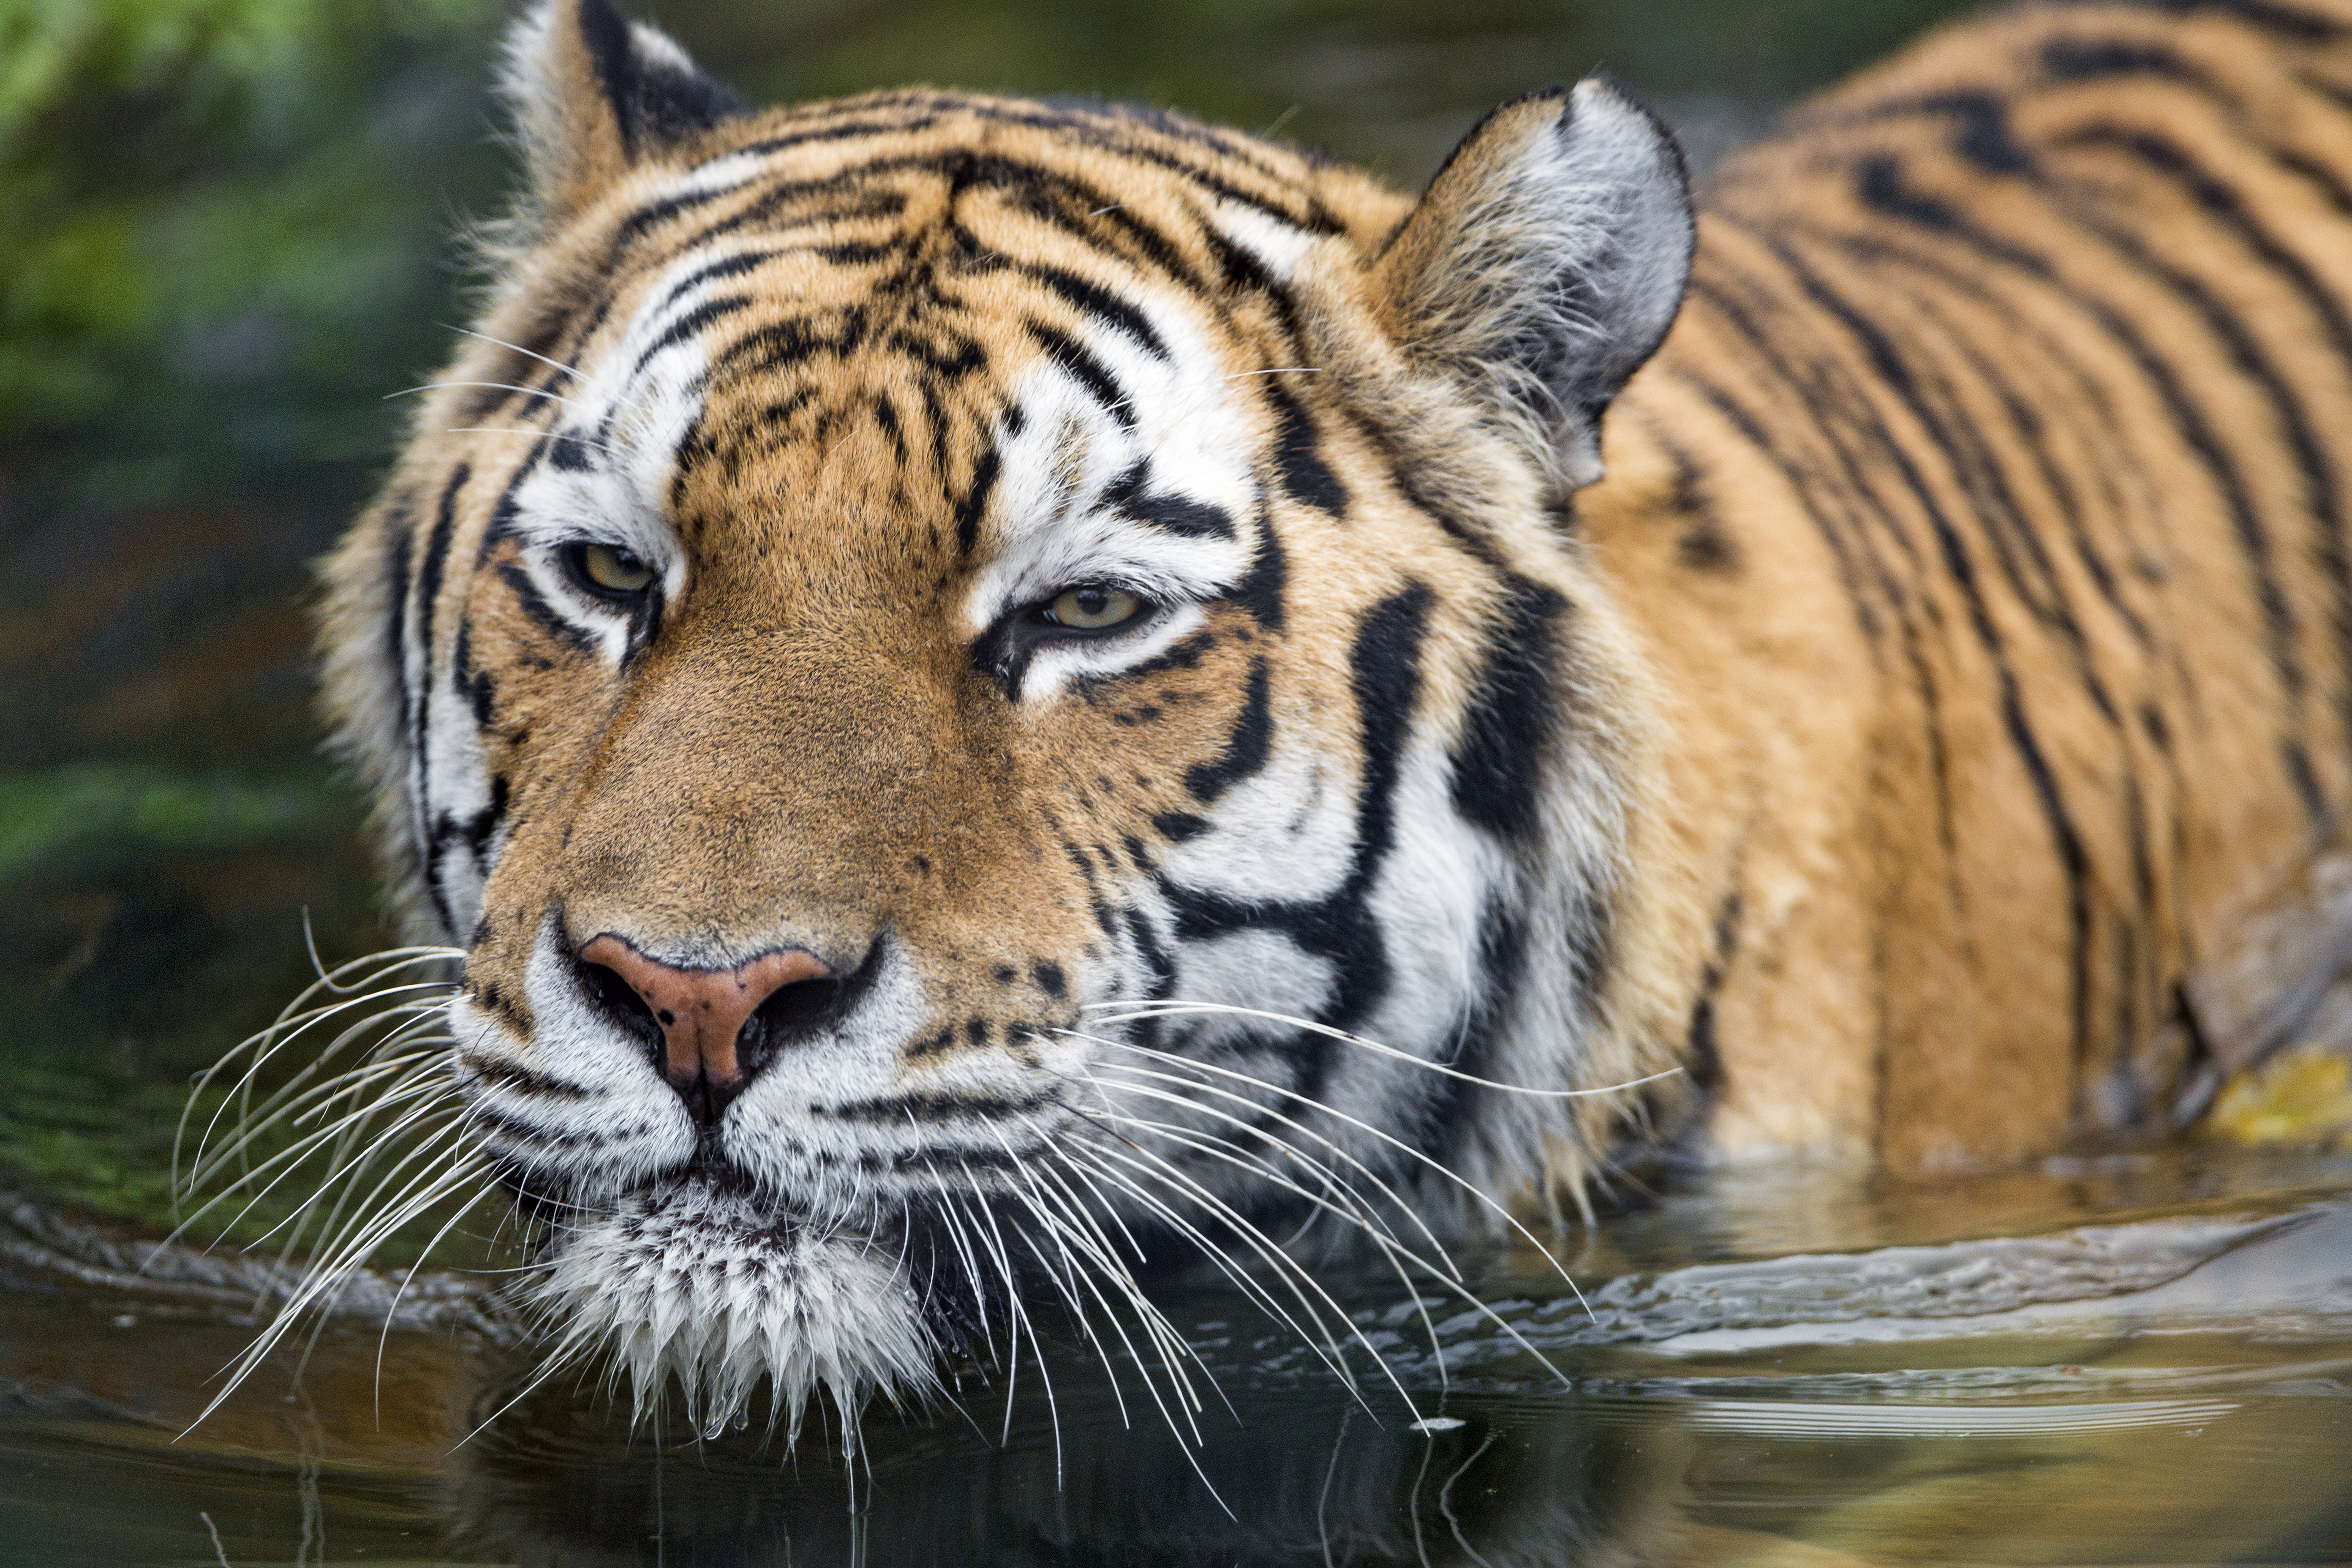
x,y
1986,518
900,594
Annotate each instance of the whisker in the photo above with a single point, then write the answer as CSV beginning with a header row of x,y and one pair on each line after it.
x,y
1377,1234
1262,1297
1129,1011
1286,1266
603,447
1501,1213
1449,1282
488,385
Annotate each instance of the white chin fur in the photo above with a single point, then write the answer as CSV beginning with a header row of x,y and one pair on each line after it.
x,y
698,1284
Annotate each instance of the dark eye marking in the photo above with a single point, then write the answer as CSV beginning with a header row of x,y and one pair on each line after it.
x,y
1101,613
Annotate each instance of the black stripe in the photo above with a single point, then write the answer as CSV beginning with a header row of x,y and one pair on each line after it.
x,y
1859,489
858,206
1080,209
840,131
2294,23
1447,1119
2028,421
894,1111
480,1114
973,503
1298,457
522,1079
945,352
2006,529
1802,479
634,226
1881,189
1176,826
1385,666
398,542
1088,370
1261,591
1498,763
536,607
1158,974
1093,300
781,344
2225,206
885,415
687,325
436,563
474,685
733,265
1129,494
2090,59
509,509
429,593
476,830
1702,1058
1246,748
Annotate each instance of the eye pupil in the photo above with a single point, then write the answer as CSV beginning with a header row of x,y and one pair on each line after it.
x,y
1092,601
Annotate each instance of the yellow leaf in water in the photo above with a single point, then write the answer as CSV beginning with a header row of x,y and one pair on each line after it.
x,y
2304,1096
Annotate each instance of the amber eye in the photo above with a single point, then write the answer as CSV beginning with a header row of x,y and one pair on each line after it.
x,y
609,570
1092,607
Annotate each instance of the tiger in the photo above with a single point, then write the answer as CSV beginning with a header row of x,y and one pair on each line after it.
x,y
991,695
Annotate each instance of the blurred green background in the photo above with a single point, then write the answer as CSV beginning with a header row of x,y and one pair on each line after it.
x,y
229,228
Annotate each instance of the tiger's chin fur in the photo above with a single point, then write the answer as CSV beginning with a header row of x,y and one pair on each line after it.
x,y
999,695
725,1298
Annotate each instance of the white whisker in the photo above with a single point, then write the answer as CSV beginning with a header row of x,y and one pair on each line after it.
x,y
1130,1012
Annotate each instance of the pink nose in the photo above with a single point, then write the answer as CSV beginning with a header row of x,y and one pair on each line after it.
x,y
701,1011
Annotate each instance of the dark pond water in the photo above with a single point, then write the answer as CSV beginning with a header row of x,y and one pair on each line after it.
x,y
2143,1359
224,235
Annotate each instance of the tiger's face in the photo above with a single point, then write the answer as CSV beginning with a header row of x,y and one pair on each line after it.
x,y
939,654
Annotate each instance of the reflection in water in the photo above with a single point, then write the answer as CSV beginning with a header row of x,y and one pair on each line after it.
x,y
1302,1477
2148,1362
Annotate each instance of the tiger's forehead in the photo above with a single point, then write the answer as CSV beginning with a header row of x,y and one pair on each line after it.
x,y
965,319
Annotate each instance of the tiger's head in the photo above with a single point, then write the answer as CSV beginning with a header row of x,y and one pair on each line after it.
x,y
937,653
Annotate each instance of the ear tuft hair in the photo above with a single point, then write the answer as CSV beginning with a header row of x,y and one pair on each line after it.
x,y
594,93
1544,263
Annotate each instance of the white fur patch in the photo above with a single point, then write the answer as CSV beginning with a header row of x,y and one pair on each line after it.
x,y
705,1287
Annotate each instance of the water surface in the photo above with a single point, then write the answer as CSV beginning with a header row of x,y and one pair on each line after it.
x,y
2141,1360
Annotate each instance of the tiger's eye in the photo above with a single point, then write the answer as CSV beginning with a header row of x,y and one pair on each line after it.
x,y
1093,609
616,569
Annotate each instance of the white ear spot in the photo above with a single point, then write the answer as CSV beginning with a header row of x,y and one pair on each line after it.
x,y
1274,245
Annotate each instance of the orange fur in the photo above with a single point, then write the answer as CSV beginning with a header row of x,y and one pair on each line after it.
x,y
1961,630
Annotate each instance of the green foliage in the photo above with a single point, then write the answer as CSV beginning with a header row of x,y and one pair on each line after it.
x,y
217,219
95,1138
76,814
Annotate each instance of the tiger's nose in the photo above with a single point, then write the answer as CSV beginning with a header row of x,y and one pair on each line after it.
x,y
703,1011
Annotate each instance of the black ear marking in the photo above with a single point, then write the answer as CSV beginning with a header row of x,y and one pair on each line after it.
x,y
593,94
656,93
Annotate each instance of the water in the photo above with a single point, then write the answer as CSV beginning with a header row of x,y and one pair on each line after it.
x,y
2136,1361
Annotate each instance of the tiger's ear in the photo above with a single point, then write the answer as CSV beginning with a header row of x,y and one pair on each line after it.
x,y
1545,262
594,93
